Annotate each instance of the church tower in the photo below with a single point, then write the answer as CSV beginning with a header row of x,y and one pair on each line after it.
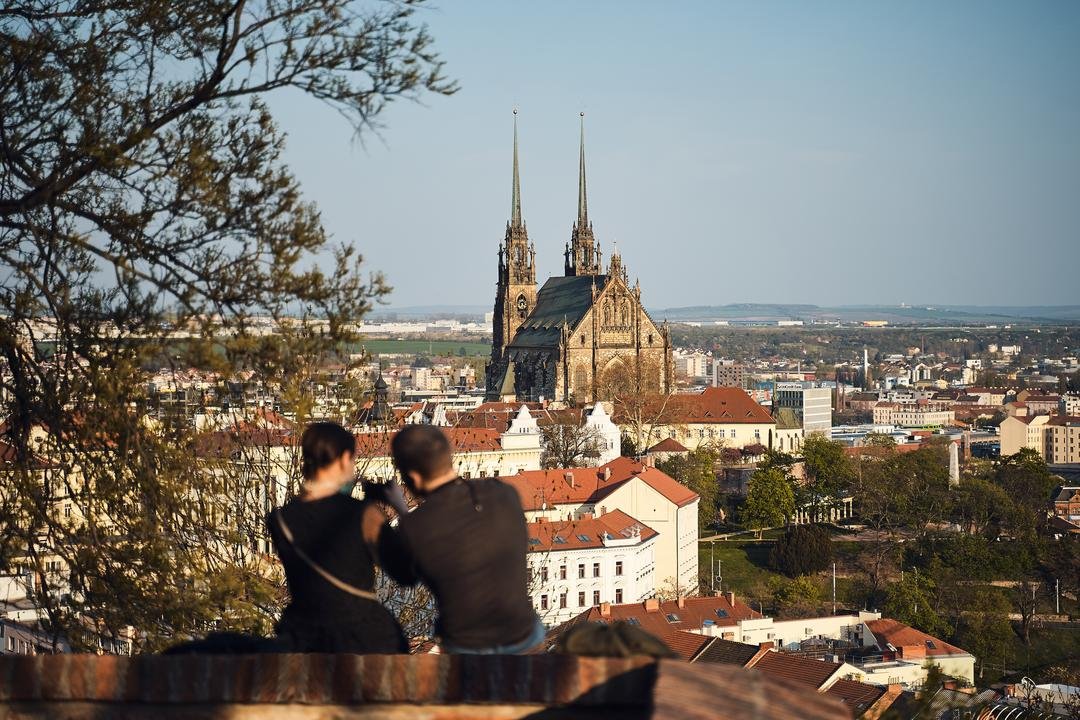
x,y
582,252
515,294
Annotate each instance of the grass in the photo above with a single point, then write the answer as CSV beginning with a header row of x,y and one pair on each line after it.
x,y
742,565
381,346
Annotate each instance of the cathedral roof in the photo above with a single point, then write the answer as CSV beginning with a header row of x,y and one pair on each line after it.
x,y
561,298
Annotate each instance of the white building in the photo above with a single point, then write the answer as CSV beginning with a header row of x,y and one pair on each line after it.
x,y
812,405
606,433
576,564
642,492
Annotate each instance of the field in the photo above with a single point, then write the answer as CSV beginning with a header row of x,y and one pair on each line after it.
x,y
419,346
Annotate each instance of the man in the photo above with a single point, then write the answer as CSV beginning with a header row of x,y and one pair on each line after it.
x,y
467,543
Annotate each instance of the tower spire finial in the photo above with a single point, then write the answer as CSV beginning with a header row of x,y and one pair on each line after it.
x,y
515,200
582,202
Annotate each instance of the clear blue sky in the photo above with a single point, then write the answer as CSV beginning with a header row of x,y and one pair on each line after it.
x,y
830,153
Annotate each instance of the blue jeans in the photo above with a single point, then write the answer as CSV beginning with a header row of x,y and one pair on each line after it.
x,y
536,636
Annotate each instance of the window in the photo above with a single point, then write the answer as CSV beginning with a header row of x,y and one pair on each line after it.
x,y
11,644
559,540
543,602
596,597
930,645
731,432
672,618
632,621
534,541
495,472
581,570
562,600
581,599
618,595
618,567
584,538
562,572
596,569
67,510
543,574
721,613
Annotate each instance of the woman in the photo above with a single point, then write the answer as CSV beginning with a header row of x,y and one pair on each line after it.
x,y
326,539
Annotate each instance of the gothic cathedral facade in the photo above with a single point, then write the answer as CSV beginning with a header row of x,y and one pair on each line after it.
x,y
583,336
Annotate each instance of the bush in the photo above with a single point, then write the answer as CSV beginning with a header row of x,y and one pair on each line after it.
x,y
802,550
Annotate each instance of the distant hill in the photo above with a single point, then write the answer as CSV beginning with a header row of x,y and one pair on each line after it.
x,y
961,314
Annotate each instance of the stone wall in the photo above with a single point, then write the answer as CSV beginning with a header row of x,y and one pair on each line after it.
x,y
89,687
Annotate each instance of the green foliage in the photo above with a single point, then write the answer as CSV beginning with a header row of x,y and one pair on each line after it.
x,y
795,596
911,601
697,471
145,199
802,550
984,629
829,473
770,499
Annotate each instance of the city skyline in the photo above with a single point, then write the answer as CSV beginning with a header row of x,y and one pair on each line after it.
x,y
841,155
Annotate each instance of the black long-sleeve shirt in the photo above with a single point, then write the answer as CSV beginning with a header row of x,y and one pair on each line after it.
x,y
467,542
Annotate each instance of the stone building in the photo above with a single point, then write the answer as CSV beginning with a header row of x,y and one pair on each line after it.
x,y
583,336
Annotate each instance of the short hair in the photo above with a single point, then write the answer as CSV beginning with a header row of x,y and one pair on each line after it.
x,y
423,449
322,444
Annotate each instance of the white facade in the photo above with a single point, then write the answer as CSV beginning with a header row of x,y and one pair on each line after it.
x,y
606,432
564,583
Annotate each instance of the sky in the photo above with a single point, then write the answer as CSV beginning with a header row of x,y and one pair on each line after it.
x,y
834,153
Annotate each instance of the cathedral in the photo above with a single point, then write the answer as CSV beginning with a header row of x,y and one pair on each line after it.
x,y
583,336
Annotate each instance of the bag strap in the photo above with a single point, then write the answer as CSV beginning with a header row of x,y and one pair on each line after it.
x,y
323,572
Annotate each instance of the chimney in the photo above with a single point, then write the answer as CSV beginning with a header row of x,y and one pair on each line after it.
x,y
605,609
730,598
587,516
682,601
766,645
607,473
652,605
569,478
603,509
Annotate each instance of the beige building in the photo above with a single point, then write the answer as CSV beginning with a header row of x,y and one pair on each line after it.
x,y
1023,431
912,416
1062,437
719,416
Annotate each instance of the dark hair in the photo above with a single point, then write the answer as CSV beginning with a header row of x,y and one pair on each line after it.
x,y
322,444
423,449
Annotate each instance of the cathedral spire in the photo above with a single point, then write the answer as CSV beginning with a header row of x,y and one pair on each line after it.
x,y
583,253
582,201
515,200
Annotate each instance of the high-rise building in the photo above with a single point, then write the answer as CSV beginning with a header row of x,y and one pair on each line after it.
x,y
812,405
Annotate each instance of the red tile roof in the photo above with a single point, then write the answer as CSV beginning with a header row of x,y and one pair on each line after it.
x,y
856,695
804,670
668,445
652,615
616,524
893,632
713,405
686,644
577,486
377,444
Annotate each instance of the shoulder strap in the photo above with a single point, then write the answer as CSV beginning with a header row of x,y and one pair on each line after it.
x,y
323,572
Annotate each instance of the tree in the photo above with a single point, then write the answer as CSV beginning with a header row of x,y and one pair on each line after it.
x,y
984,628
796,597
829,473
802,550
697,471
770,499
568,444
148,222
642,396
911,601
